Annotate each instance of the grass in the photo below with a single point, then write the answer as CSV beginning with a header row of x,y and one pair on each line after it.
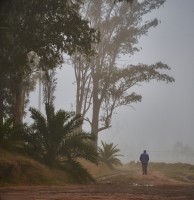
x,y
19,170
16,169
97,170
179,171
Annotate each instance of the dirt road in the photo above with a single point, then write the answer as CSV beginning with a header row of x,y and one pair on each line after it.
x,y
120,186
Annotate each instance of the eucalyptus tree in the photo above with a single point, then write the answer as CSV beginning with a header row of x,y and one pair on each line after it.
x,y
47,28
103,86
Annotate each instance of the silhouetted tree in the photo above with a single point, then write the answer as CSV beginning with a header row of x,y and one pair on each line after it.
x,y
47,28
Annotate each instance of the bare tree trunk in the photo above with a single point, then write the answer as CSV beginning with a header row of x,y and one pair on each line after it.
x,y
96,109
1,105
18,102
78,102
2,96
95,124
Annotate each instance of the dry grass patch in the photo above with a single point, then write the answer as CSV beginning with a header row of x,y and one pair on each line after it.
x,y
20,170
97,170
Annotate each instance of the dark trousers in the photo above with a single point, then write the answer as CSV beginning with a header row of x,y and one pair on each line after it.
x,y
144,168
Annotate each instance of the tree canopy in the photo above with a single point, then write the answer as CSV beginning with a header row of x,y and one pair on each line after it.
x,y
102,85
47,28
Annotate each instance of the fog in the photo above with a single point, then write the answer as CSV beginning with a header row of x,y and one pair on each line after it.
x,y
163,123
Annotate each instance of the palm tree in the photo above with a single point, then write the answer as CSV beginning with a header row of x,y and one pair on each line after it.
x,y
108,154
53,140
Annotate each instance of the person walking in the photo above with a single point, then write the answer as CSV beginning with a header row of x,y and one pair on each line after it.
x,y
144,158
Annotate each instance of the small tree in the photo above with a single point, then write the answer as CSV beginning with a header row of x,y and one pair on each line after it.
x,y
108,154
52,140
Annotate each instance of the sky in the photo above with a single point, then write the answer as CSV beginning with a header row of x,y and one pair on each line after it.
x,y
165,117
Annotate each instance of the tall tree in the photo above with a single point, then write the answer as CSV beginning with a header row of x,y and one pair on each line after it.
x,y
48,28
101,83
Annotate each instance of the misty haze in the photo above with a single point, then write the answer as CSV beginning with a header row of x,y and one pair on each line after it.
x,y
164,117
97,91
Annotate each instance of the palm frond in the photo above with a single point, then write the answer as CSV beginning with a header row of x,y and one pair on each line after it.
x,y
40,123
77,172
79,146
73,124
54,140
108,154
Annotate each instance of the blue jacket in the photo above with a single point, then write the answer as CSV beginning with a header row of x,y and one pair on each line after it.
x,y
144,158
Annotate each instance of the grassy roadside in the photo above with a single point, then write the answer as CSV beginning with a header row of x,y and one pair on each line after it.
x,y
18,170
178,171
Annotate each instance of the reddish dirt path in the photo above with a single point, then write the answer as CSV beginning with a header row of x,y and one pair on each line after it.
x,y
122,186
106,192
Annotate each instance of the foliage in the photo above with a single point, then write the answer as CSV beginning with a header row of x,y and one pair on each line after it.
x,y
11,136
102,84
57,141
77,172
44,30
49,86
108,154
128,1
